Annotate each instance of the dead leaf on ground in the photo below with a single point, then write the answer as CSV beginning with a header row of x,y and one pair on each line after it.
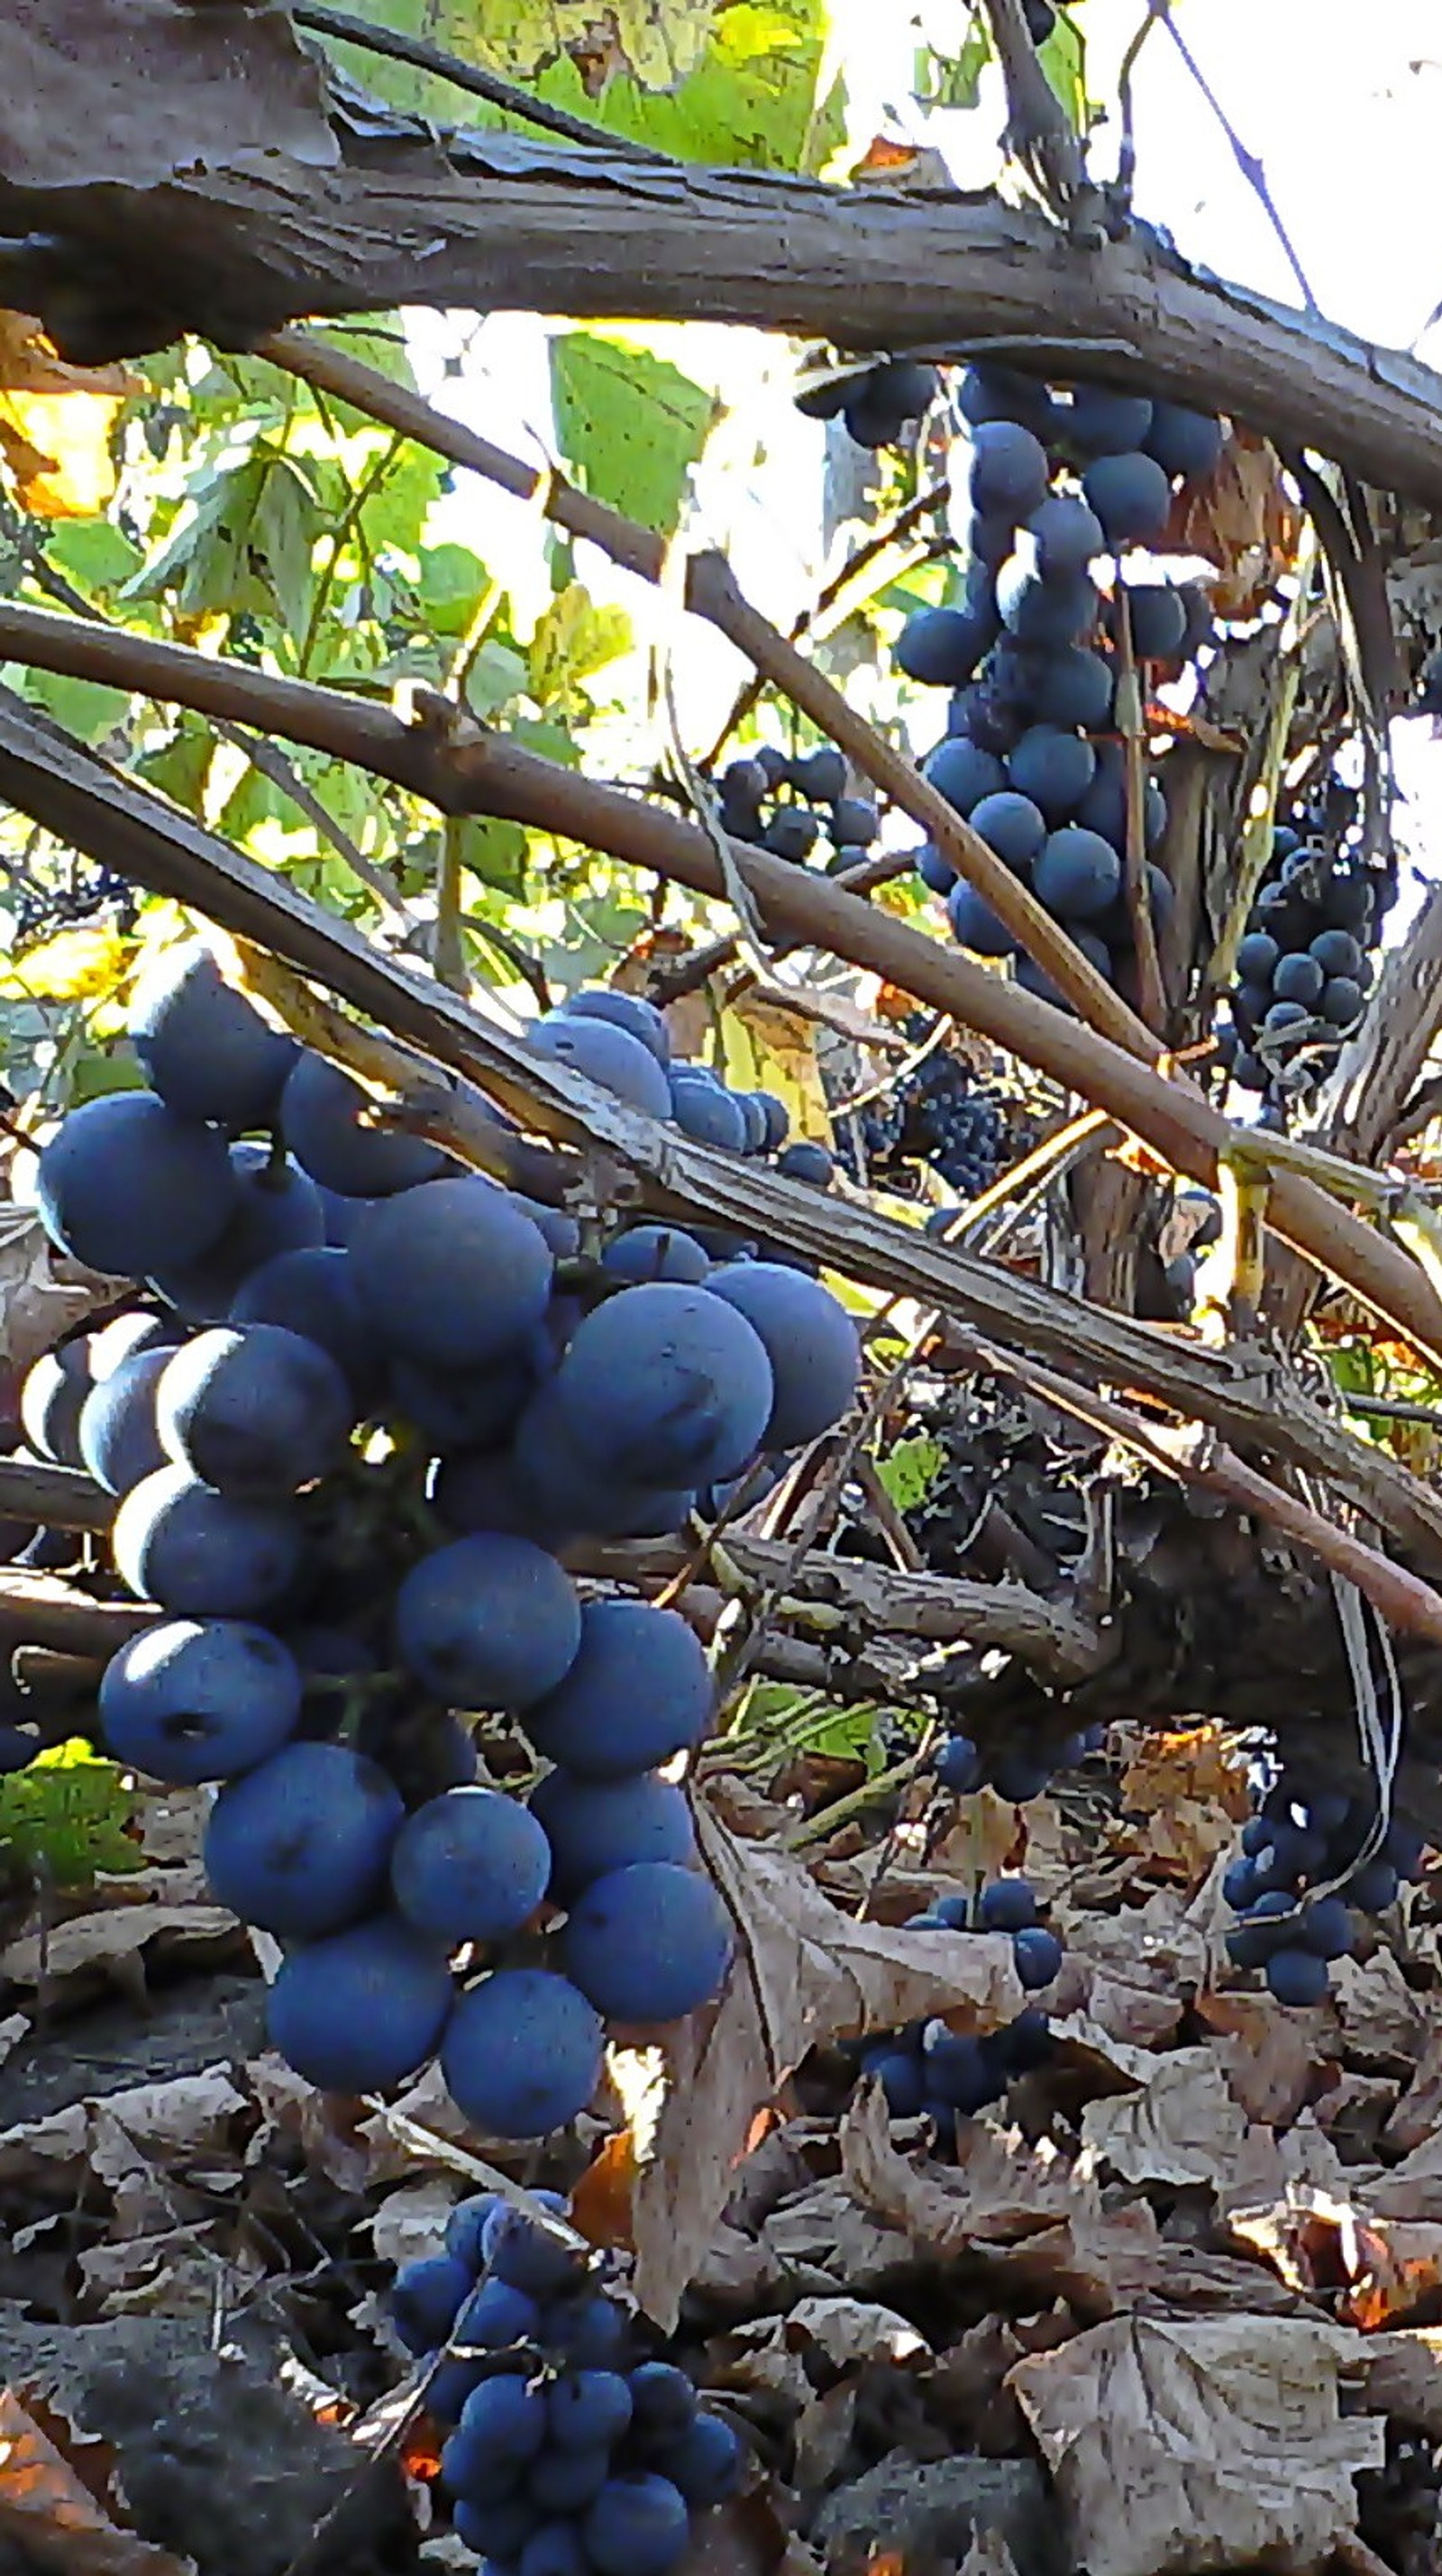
x,y
1184,2126
48,2511
1404,2376
1372,2269
411,2222
1224,2437
851,2331
180,2116
804,1973
1275,2055
1379,2012
1418,2115
110,1944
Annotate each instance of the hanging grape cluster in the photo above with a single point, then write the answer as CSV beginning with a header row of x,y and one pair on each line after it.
x,y
930,2070
574,2452
1306,961
1312,1861
939,1114
368,1404
790,805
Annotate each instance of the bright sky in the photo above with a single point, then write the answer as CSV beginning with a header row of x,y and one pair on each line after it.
x,y
1343,104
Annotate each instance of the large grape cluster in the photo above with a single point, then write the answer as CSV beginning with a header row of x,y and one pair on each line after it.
x,y
1309,1864
1060,485
572,2454
939,1114
369,1412
1303,968
929,2069
875,402
815,806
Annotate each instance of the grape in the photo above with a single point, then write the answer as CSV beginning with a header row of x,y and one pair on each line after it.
x,y
1158,616
655,1252
470,1865
638,2526
606,1055
957,2073
706,2464
1053,769
1341,1001
361,2010
1073,687
1007,1905
941,647
1373,1887
425,2299
487,1622
1012,826
1296,1976
586,2408
322,1113
1251,1941
1183,442
663,2401
957,1765
451,1274
638,1690
810,1341
253,1410
522,2054
125,1337
197,1700
805,1160
934,871
565,2482
126,1186
465,2228
594,1826
1068,535
792,833
1008,468
1239,1885
649,1943
640,1019
980,715
1103,423
1336,952
704,1111
1130,495
1326,1927
1257,958
555,2550
204,1047
313,1293
563,1495
991,391
1347,901
301,1845
1037,1954
497,2315
197,1552
1285,1015
277,1209
1104,807
518,2249
504,2420
1027,2041
455,1411
495,2531
1077,875
900,2078
1018,1776
1044,613
962,774
588,2328
665,1385
758,1125
778,1120
1297,978
975,926
1248,1071
885,399
821,775
53,1397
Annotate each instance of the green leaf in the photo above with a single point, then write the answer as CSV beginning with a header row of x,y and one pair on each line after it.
x,y
85,707
66,1815
630,425
573,640
246,547
954,80
94,552
451,582
910,1469
1063,59
754,102
494,852
181,766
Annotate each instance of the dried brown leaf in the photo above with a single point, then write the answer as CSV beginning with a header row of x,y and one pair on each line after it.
x,y
1206,2444
1379,2013
1184,2126
110,1943
1418,2115
1404,2376
804,1973
49,2513
119,2131
851,2331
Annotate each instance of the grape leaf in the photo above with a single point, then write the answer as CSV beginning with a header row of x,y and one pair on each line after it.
x,y
764,97
630,425
67,1814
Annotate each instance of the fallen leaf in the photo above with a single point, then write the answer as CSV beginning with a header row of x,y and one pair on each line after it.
x,y
48,2511
1379,2013
411,2222
1275,2056
850,2331
180,2116
804,1973
1205,2444
1404,2376
1418,2114
1184,2126
111,1941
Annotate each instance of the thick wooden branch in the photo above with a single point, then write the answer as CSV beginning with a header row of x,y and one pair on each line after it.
x,y
497,222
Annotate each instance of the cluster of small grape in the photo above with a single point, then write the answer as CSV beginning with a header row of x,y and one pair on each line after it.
x,y
928,2068
345,1473
1017,1772
1298,1880
939,1114
876,402
571,2454
817,781
1303,971
1032,755
38,910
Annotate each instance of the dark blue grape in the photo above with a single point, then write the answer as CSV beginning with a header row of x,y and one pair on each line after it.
x,y
488,1622
1068,536
200,1553
637,1690
301,1844
606,1055
324,1116
522,2053
1006,1905
1077,874
1053,769
629,1011
254,1410
1185,443
1008,468
941,647
357,2012
126,1186
1296,1977
1102,423
1130,495
195,1700
649,1943
205,1047
975,926
962,774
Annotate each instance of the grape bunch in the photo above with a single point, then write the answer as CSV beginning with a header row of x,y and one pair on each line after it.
x,y
1303,968
937,1114
876,402
572,2454
1299,1880
365,1416
1017,1772
1033,755
933,2070
752,810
